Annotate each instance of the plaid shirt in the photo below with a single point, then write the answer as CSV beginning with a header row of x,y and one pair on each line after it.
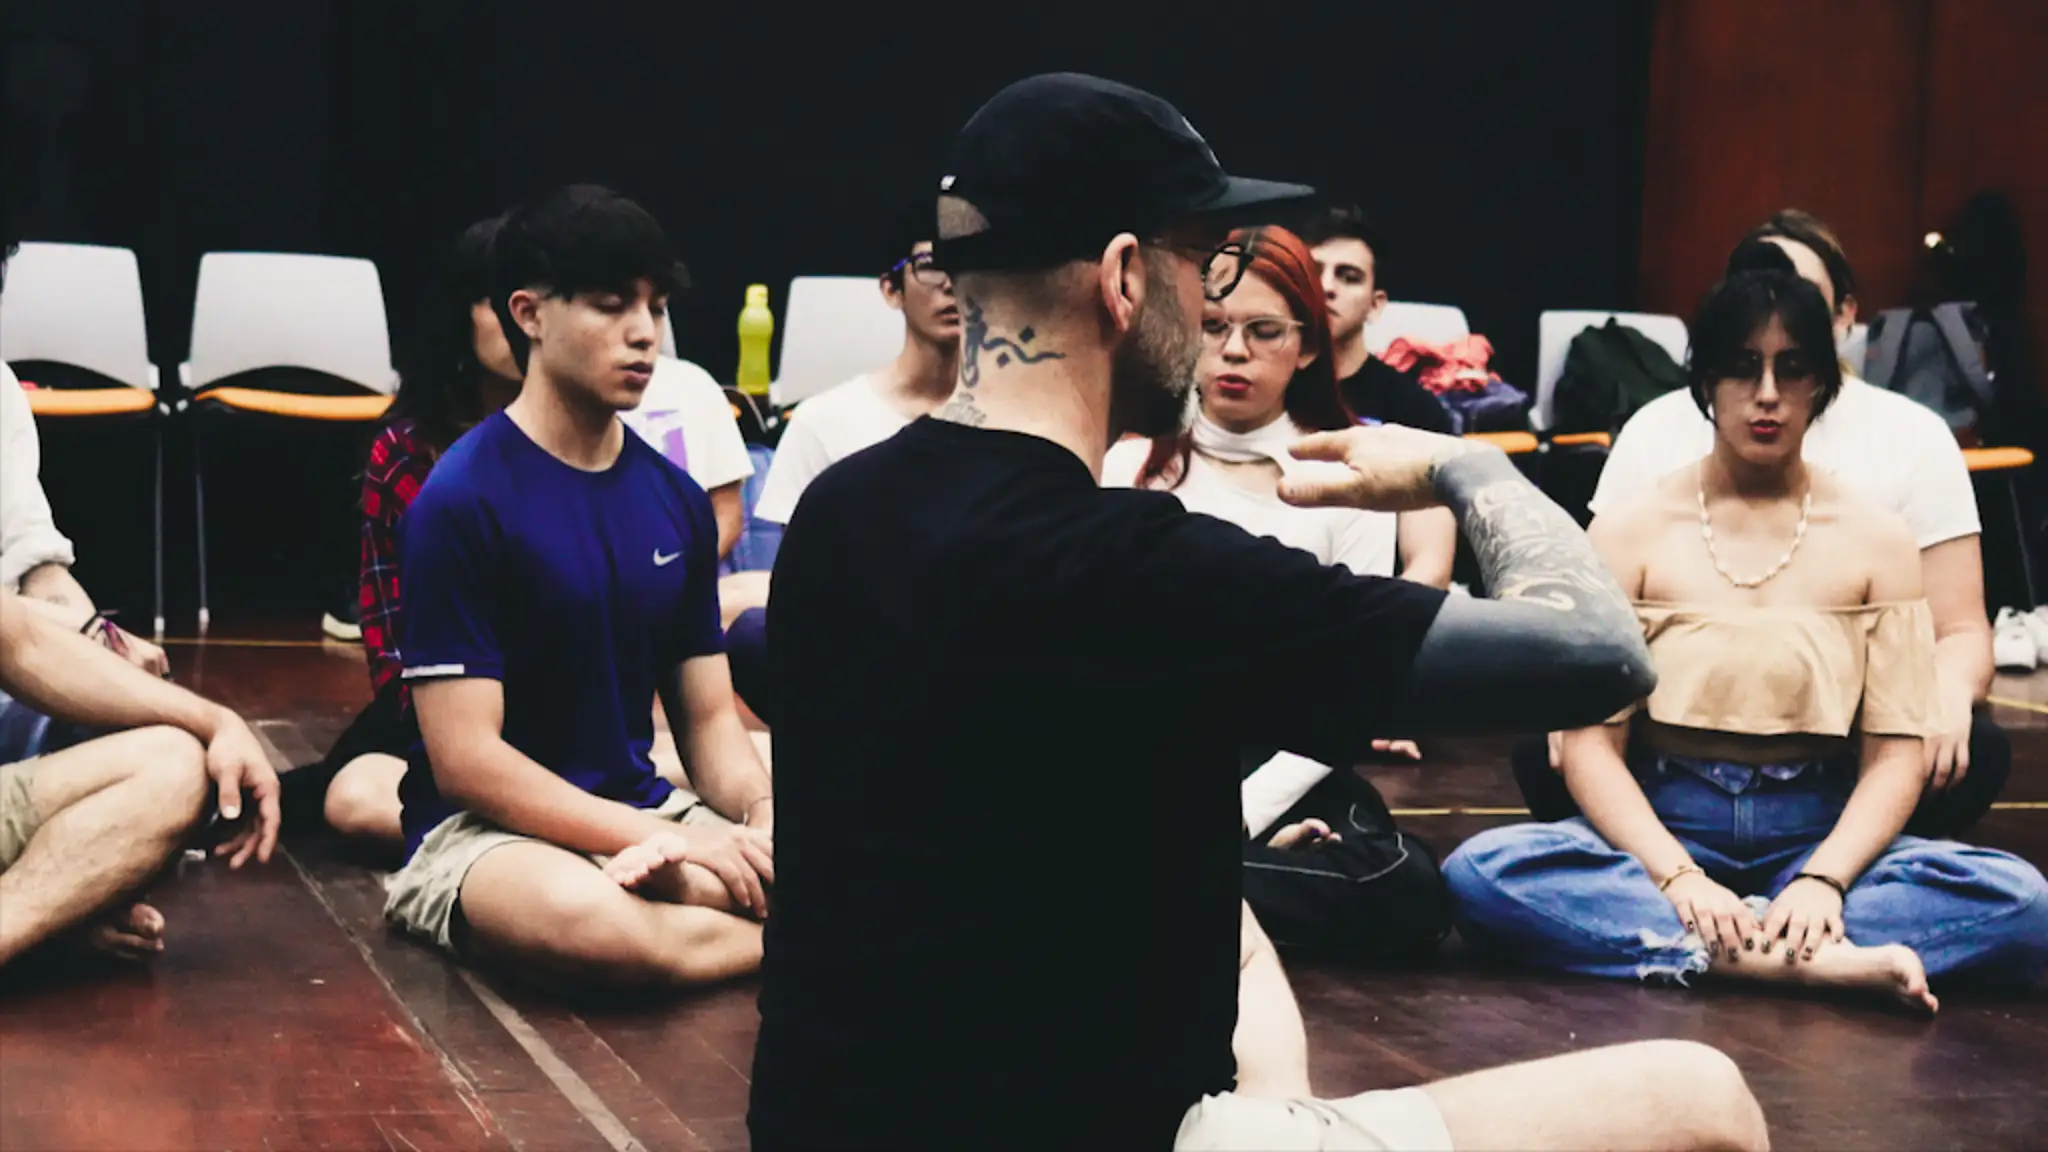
x,y
397,467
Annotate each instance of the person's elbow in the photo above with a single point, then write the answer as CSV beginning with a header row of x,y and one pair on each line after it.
x,y
729,512
1610,669
459,770
459,749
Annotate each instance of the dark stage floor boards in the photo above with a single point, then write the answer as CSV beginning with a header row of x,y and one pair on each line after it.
x,y
283,1015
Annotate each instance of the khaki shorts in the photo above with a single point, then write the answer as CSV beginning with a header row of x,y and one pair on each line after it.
x,y
18,816
423,896
1405,1120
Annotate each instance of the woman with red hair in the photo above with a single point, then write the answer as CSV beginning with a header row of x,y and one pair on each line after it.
x,y
1336,876
1266,381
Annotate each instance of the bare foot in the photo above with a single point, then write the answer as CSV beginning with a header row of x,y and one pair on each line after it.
x,y
1892,969
133,933
1895,969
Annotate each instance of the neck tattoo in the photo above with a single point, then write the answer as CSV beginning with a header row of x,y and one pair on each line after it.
x,y
975,337
1707,534
961,409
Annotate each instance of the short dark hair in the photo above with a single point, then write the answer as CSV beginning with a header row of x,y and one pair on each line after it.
x,y
1735,308
916,222
581,238
1330,222
1808,229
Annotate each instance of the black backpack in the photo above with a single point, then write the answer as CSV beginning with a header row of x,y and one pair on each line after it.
x,y
1936,356
1609,372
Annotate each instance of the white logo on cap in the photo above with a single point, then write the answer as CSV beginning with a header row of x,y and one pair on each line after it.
x,y
945,184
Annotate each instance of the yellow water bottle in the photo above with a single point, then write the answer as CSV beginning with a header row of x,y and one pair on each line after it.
x,y
757,328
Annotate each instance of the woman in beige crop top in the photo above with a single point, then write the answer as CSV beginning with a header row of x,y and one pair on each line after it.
x,y
1744,821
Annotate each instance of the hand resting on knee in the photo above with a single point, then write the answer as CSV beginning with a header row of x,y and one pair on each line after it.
x,y
739,859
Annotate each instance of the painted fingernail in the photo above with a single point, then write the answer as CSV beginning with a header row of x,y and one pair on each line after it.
x,y
1749,945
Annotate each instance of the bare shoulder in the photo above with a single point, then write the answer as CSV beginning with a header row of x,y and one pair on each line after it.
x,y
1861,522
1647,514
1873,539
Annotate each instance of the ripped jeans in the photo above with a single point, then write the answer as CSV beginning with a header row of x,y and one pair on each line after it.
x,y
1559,896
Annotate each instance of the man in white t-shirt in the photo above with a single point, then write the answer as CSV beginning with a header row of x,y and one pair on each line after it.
x,y
1900,455
36,558
874,406
686,416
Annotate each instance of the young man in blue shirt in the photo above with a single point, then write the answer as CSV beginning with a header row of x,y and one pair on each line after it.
x,y
559,573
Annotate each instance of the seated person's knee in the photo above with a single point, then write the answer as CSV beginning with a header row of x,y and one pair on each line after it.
x,y
1718,1092
362,800
171,764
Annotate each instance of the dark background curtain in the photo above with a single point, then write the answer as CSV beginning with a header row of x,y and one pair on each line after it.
x,y
1499,143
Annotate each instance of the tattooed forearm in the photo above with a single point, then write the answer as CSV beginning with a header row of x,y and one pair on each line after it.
x,y
1556,645
975,338
1527,547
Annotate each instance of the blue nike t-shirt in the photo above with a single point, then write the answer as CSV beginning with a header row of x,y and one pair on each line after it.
x,y
578,591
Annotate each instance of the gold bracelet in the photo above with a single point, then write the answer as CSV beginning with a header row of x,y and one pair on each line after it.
x,y
1686,869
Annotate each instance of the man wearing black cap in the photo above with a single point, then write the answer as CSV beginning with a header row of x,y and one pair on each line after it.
x,y
985,664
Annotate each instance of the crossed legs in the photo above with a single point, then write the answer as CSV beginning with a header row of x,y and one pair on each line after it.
x,y
107,815
549,913
1654,1094
1658,1094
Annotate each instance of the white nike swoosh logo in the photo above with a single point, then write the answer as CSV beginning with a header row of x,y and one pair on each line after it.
x,y
661,561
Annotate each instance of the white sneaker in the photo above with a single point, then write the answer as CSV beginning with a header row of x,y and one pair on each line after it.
x,y
2013,648
2037,628
350,632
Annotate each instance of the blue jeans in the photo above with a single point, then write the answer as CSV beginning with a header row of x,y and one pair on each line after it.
x,y
26,733
1559,896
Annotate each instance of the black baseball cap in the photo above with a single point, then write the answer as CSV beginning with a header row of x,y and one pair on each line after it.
x,y
1056,164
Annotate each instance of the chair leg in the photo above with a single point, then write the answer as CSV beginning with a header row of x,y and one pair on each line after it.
x,y
2019,524
199,518
157,500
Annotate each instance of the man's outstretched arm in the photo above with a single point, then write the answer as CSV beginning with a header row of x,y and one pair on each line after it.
x,y
1556,646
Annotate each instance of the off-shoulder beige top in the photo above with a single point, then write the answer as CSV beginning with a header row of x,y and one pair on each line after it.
x,y
1784,671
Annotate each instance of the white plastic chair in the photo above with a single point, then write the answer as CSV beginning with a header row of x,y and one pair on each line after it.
x,y
258,310
1554,334
80,305
1429,323
835,327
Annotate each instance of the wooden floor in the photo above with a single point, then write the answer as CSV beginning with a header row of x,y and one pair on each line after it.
x,y
284,1015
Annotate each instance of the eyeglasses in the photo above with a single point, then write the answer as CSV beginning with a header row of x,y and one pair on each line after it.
x,y
1222,266
1261,333
1791,371
923,269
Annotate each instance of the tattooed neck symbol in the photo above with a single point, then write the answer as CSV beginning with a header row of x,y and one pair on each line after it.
x,y
974,337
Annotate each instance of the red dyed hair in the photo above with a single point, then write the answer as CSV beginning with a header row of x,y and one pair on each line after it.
x,y
1279,258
